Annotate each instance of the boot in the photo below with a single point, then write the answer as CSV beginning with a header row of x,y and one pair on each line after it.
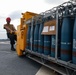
x,y
12,48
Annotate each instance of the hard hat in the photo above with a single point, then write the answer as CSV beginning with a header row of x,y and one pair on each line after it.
x,y
8,19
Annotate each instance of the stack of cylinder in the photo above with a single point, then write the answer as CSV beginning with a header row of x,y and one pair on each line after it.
x,y
46,43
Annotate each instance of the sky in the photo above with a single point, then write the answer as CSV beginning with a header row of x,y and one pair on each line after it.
x,y
14,8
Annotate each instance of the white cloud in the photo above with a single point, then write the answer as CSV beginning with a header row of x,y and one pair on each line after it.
x,y
55,2
16,22
2,22
15,15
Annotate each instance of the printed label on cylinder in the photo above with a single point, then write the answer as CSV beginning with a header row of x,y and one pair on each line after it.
x,y
53,41
74,43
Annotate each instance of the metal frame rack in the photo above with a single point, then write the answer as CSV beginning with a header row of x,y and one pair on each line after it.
x,y
62,67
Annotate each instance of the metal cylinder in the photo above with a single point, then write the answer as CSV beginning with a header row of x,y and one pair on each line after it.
x,y
47,44
53,40
36,37
32,37
41,40
66,38
74,43
28,37
47,39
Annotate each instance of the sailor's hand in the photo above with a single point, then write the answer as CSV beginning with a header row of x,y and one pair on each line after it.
x,y
12,32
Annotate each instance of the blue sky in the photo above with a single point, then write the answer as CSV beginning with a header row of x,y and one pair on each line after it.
x,y
14,8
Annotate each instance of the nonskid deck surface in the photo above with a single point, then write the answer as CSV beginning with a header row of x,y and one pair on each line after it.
x,y
4,42
11,64
45,71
